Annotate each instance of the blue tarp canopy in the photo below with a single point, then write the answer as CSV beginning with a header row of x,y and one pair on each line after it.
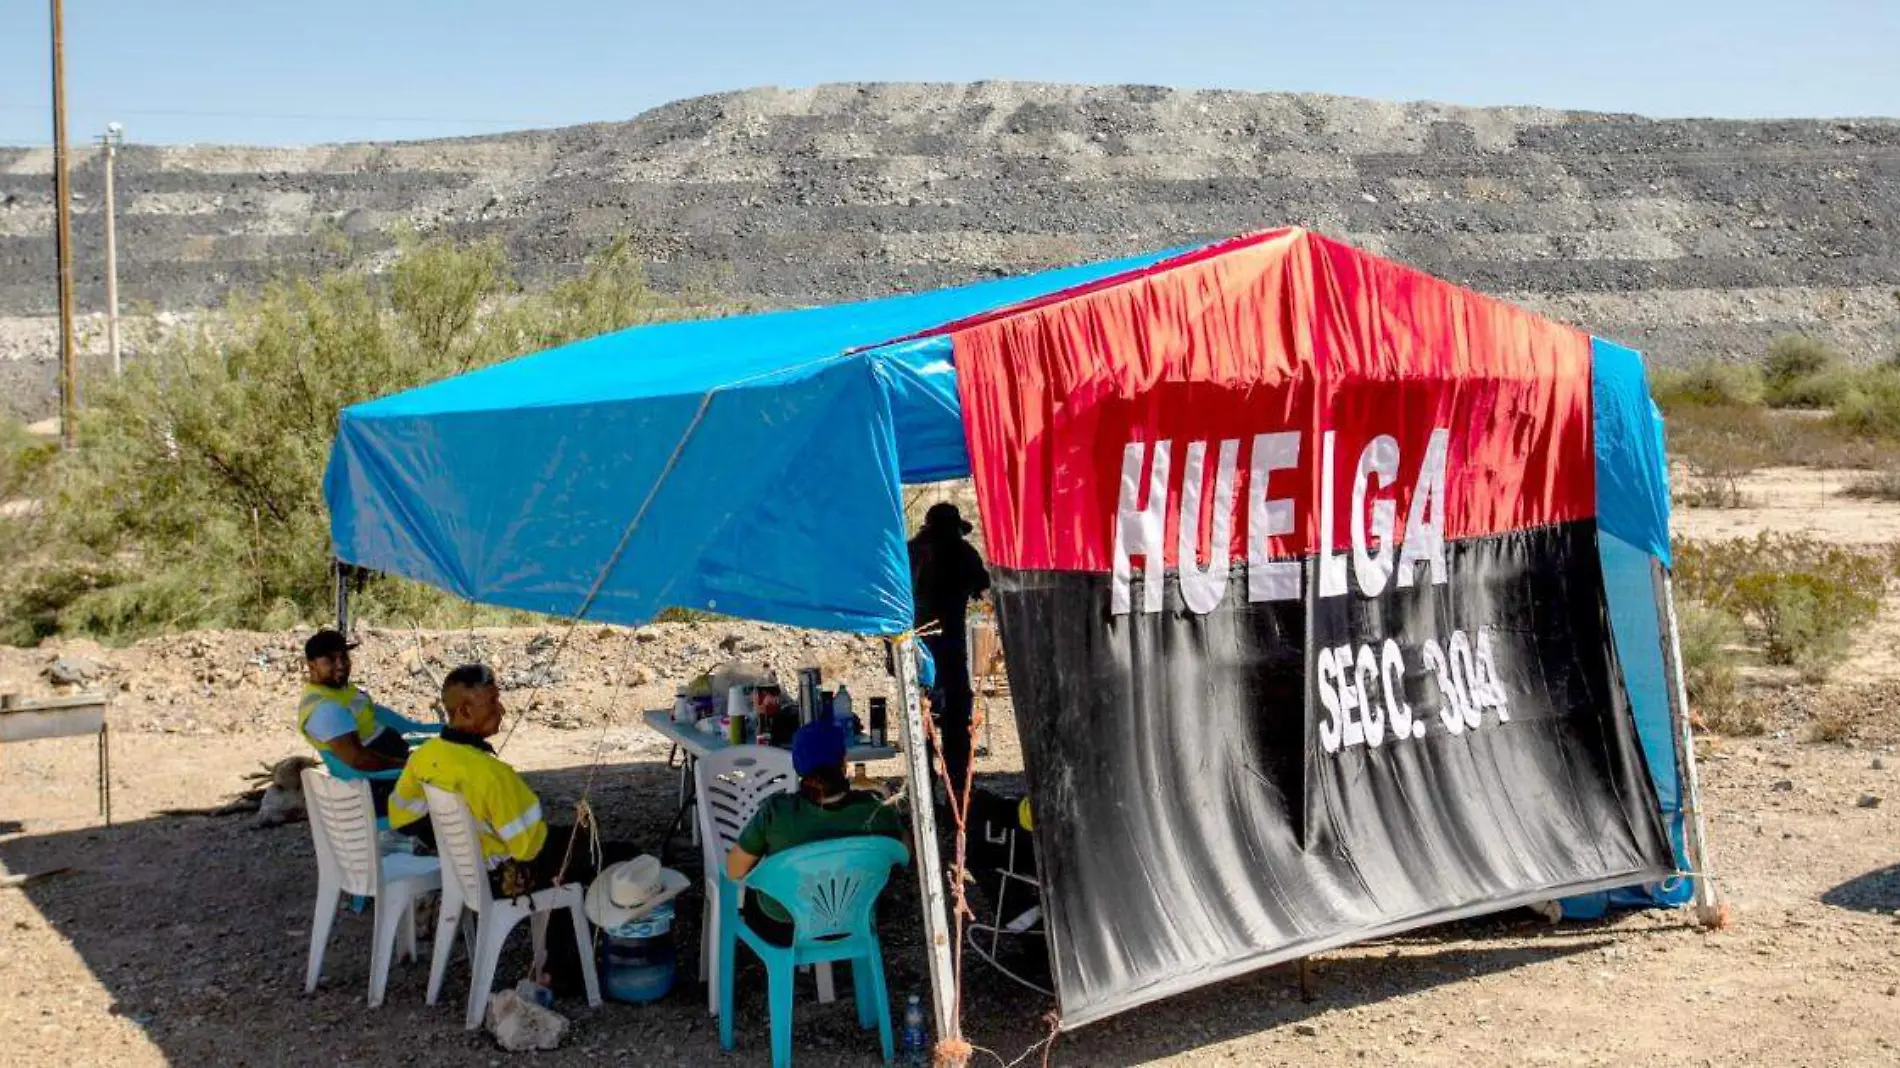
x,y
762,457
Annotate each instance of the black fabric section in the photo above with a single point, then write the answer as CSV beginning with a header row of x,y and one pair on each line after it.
x,y
1191,825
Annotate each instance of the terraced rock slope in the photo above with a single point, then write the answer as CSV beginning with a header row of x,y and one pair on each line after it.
x,y
1683,237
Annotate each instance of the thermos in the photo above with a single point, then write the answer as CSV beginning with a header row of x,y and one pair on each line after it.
x,y
808,700
880,721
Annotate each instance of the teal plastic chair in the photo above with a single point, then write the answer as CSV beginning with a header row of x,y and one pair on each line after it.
x,y
829,888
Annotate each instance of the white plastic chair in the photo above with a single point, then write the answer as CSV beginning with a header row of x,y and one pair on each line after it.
x,y
465,886
731,783
343,828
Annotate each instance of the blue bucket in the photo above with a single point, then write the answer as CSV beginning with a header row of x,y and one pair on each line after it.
x,y
638,960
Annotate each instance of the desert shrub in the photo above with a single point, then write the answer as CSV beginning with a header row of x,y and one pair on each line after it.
x,y
23,459
1879,486
1707,637
1871,406
1719,447
1797,370
195,499
1806,619
1709,383
1833,725
1800,599
1818,392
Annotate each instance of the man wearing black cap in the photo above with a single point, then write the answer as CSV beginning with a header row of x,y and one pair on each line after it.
x,y
340,719
946,574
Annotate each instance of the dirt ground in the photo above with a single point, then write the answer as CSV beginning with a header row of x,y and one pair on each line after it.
x,y
181,939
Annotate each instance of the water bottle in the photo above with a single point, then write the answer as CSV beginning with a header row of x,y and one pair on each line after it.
x,y
841,710
535,992
916,1050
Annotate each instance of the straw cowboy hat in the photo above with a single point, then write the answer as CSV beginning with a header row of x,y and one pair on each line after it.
x,y
627,891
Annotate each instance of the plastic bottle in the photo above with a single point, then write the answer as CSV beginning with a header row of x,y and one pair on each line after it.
x,y
916,1049
535,992
841,708
862,781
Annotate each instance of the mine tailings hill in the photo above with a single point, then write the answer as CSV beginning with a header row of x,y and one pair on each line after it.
x,y
1684,237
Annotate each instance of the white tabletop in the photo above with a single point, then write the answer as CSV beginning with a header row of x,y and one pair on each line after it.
x,y
700,743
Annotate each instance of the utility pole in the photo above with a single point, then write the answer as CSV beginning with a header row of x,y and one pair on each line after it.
x,y
62,193
112,139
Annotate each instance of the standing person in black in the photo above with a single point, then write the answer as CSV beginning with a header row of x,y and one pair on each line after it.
x,y
946,574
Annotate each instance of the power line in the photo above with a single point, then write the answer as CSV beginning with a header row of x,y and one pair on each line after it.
x,y
300,117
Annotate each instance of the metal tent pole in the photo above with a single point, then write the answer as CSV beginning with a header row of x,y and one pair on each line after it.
x,y
930,880
1709,909
340,572
63,243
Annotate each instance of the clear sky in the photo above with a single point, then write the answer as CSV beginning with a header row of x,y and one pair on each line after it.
x,y
264,71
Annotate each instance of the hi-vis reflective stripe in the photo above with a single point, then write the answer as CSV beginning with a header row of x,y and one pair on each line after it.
x,y
414,808
520,823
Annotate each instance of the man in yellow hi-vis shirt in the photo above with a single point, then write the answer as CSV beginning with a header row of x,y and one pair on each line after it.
x,y
339,719
514,830
524,852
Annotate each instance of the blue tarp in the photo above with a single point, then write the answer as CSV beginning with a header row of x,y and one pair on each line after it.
x,y
1633,536
1632,465
773,447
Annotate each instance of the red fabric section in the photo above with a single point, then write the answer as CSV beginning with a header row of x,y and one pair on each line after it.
x,y
1192,256
1285,331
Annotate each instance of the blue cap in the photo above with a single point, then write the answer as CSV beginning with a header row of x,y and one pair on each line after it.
x,y
817,746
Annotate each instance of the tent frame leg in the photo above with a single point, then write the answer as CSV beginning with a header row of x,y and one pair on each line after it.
x,y
1710,910
930,881
339,574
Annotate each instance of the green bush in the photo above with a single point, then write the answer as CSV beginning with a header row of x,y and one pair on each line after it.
x,y
195,499
1871,407
1707,637
1801,599
1792,364
23,459
1709,383
1806,620
1817,392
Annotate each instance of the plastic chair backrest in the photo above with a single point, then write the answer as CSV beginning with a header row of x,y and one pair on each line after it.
x,y
343,826
732,783
460,845
829,887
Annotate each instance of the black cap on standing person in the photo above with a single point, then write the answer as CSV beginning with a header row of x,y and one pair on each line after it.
x,y
326,643
944,517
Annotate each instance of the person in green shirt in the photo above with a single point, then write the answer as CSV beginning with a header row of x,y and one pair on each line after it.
x,y
822,808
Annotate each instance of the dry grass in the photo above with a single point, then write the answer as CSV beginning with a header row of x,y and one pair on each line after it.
x,y
1737,719
1729,442
1880,486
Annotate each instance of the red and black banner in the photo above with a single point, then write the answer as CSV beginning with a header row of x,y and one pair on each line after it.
x,y
1297,573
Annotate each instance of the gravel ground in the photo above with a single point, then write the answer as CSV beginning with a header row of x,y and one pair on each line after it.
x,y
181,940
